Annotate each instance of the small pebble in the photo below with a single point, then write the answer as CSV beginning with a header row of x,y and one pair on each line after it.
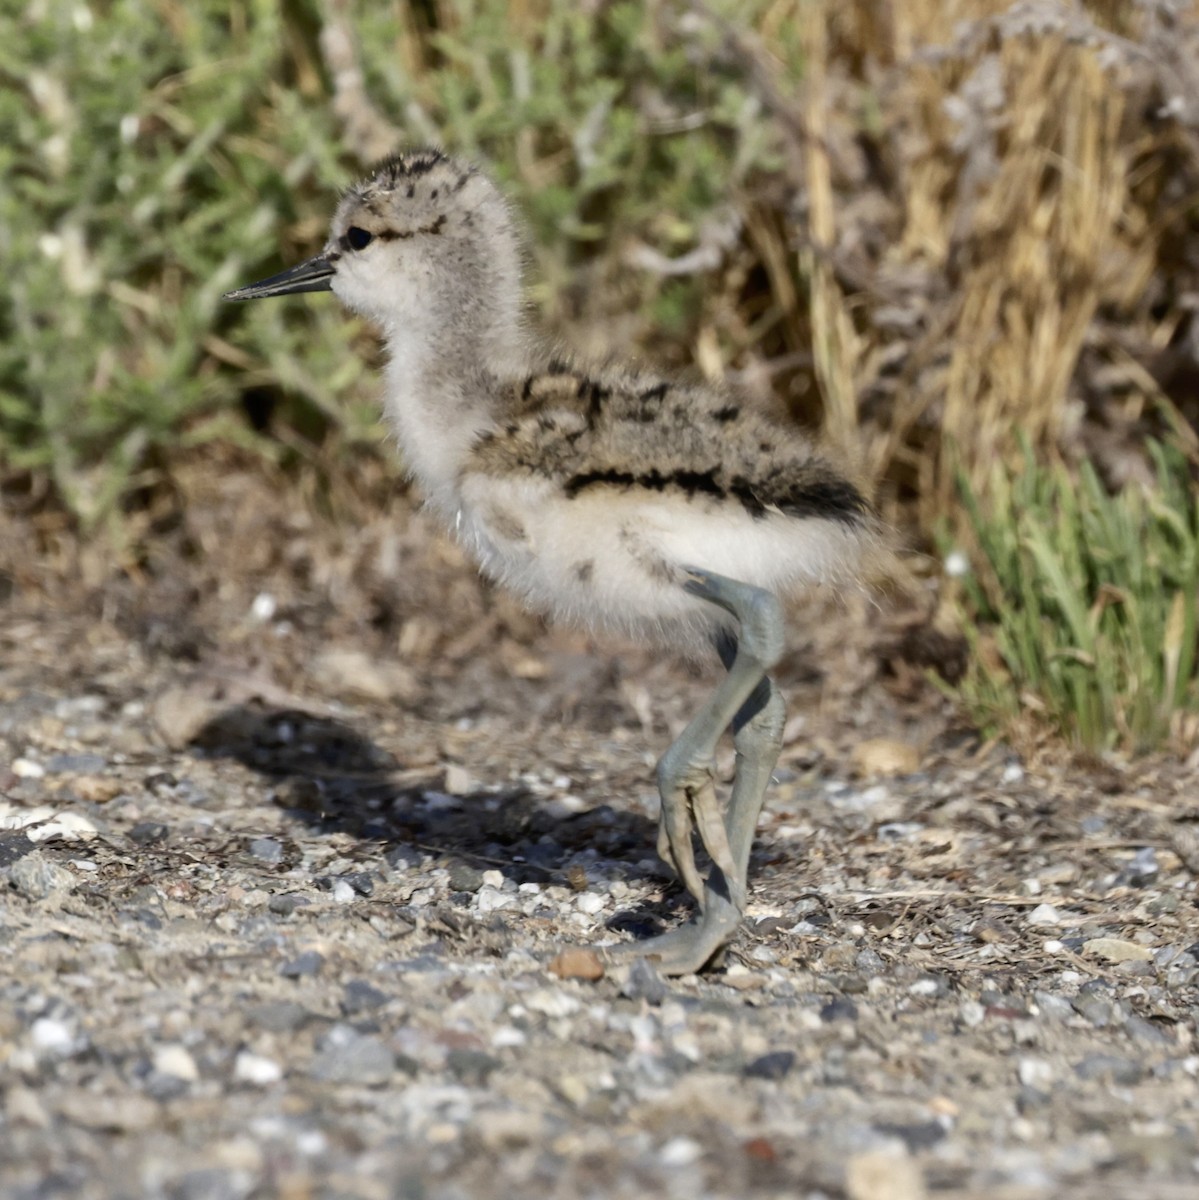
x,y
74,764
279,1016
360,996
774,1066
464,877
680,1152
26,768
1100,1066
471,1067
308,963
1099,1011
353,1058
644,983
577,963
146,833
490,899
929,985
1035,1073
256,1069
1149,1033
267,850
839,1009
915,1135
1057,1007
1117,950
264,607
174,1060
1044,914
287,903
37,877
50,1036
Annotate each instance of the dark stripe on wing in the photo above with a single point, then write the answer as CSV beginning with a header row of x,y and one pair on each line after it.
x,y
827,497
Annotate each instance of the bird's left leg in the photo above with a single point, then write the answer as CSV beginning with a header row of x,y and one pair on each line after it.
x,y
749,701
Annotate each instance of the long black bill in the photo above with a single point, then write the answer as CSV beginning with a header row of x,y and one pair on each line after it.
x,y
315,275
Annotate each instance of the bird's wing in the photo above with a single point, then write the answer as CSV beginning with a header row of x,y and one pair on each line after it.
x,y
609,430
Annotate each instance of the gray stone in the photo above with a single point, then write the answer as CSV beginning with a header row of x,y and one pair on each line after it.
x,y
1109,1066
775,1065
37,877
267,850
308,963
644,983
1056,1007
351,1057
471,1067
146,833
1096,1009
74,764
1149,1033
464,877
839,1009
12,847
360,996
280,1016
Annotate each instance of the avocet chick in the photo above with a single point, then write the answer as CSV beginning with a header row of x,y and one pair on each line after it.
x,y
614,499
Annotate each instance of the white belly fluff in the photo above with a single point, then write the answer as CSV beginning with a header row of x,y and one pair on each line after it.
x,y
615,560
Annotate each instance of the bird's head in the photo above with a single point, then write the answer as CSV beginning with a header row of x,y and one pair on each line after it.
x,y
423,239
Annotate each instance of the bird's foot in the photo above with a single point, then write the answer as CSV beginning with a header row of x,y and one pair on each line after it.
x,y
689,948
689,804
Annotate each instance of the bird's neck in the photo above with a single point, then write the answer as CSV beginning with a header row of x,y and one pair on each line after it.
x,y
444,381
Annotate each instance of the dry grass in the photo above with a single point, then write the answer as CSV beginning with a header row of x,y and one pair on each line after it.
x,y
992,200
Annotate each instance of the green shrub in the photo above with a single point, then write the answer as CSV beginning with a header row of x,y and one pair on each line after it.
x,y
1081,605
157,154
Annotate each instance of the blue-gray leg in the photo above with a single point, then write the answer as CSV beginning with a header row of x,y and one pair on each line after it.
x,y
748,701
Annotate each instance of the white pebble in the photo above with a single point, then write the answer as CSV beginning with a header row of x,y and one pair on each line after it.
x,y
590,903
488,899
923,987
174,1060
551,1003
256,1069
1044,914
507,1035
1013,773
493,879
66,825
1035,1073
1053,946
26,768
458,780
264,607
51,1036
680,1151
311,1142
972,1013
343,893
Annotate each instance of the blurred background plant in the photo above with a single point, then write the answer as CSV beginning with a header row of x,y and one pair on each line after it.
x,y
959,238
1081,610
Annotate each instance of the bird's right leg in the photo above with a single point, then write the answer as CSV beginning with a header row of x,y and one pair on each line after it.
x,y
749,701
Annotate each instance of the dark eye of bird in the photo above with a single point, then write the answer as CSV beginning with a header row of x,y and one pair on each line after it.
x,y
358,239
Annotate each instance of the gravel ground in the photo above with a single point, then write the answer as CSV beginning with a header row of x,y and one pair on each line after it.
x,y
296,829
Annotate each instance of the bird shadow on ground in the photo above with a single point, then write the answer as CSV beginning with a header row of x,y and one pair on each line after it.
x,y
334,779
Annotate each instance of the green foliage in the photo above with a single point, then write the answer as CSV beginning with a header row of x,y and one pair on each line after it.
x,y
156,154
1082,606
